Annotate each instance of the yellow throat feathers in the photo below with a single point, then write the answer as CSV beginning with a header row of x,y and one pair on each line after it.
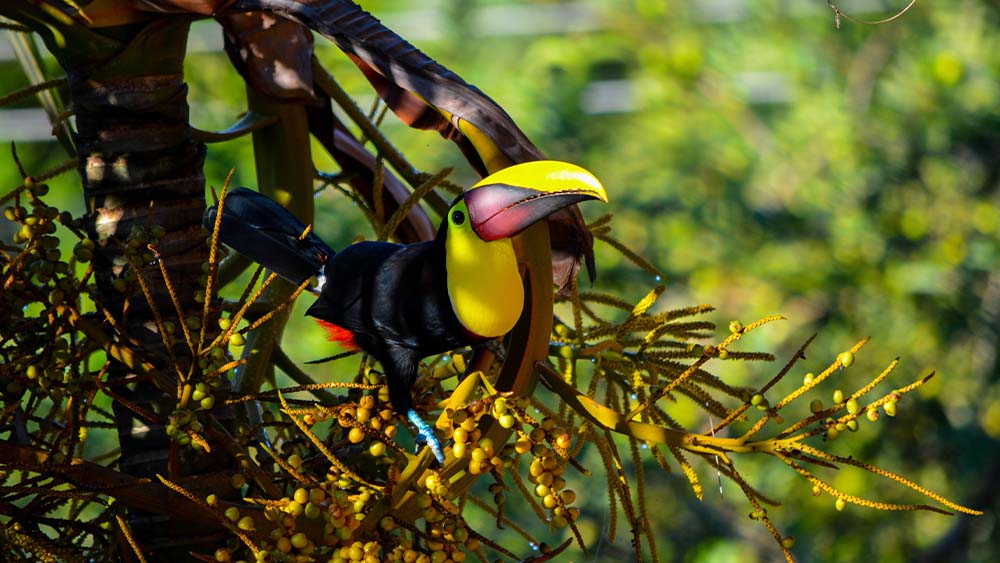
x,y
484,282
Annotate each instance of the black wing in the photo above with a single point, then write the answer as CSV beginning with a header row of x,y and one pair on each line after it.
x,y
259,228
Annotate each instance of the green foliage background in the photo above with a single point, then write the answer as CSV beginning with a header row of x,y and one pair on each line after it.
x,y
767,162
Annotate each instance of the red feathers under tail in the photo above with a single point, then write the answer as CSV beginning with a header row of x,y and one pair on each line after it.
x,y
340,335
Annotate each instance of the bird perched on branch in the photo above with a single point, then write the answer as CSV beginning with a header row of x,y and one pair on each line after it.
x,y
401,303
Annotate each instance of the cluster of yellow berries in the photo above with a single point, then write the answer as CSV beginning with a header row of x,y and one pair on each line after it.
x,y
550,447
316,520
449,536
364,420
470,444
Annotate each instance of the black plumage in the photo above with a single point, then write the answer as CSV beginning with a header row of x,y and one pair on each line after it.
x,y
392,297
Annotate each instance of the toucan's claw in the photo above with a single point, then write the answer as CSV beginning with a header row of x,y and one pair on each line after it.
x,y
425,435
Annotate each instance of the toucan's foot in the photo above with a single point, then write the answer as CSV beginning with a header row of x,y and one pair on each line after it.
x,y
425,435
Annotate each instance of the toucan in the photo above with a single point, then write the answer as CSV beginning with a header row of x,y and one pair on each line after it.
x,y
401,303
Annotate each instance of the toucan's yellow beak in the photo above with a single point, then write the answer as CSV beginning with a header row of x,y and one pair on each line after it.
x,y
507,202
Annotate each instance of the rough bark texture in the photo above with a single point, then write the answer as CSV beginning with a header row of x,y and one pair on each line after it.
x,y
141,168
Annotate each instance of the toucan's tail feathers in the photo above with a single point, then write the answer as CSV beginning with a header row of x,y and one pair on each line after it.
x,y
267,233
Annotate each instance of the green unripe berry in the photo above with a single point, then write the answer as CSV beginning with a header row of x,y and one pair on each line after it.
x,y
232,513
283,544
317,495
846,359
506,420
838,396
841,504
200,391
735,327
312,511
873,415
852,425
890,408
246,524
225,323
301,495
816,406
853,407
82,255
300,540
237,340
788,542
756,399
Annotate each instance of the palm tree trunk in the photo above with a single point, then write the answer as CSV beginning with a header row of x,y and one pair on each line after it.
x,y
142,171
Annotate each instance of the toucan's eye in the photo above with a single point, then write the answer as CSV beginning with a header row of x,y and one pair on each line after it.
x,y
457,217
